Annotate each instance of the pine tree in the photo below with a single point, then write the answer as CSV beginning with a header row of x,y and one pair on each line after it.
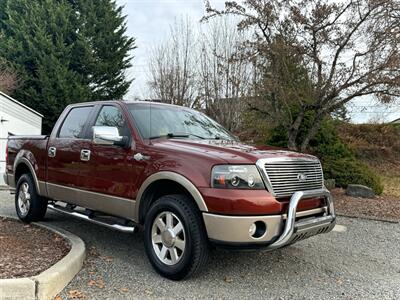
x,y
63,53
103,28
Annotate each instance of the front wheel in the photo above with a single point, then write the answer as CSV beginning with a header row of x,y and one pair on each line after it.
x,y
29,205
175,239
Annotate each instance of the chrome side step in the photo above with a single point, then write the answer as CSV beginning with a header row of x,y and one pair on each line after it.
x,y
82,216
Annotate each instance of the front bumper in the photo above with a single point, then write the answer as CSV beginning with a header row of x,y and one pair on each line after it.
x,y
281,230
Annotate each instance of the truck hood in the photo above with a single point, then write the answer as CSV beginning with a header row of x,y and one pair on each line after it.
x,y
230,151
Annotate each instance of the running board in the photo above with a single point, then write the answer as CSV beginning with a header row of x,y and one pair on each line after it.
x,y
82,216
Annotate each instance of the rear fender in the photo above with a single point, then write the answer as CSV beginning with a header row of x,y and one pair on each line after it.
x,y
22,159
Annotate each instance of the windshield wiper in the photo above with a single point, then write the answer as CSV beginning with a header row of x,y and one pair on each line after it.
x,y
199,136
169,136
176,135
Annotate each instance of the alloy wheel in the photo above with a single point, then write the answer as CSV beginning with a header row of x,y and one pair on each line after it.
x,y
168,238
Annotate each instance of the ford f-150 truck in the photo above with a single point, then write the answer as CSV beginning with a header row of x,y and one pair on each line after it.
x,y
174,172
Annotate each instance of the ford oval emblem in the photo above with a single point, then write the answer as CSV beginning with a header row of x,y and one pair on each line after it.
x,y
301,177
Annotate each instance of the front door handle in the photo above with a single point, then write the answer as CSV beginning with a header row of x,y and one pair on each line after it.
x,y
52,152
85,155
140,157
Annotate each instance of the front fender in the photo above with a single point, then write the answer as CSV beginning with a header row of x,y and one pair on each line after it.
x,y
176,177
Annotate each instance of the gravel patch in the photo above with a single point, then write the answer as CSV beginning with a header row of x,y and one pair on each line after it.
x,y
27,250
362,262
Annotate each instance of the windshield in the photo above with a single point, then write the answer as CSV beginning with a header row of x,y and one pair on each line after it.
x,y
175,122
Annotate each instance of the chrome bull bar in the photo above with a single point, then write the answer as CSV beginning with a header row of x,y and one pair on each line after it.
x,y
294,231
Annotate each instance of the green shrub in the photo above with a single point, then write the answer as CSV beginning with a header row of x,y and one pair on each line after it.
x,y
351,171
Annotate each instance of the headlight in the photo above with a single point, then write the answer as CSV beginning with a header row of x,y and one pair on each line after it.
x,y
239,177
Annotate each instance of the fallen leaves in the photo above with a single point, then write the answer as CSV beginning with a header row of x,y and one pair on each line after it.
x,y
93,252
148,292
107,258
228,279
124,290
75,294
19,247
97,283
57,238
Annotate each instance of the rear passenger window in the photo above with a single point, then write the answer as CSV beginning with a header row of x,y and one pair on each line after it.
x,y
111,116
74,123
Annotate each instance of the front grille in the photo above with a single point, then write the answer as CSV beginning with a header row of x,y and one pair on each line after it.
x,y
287,177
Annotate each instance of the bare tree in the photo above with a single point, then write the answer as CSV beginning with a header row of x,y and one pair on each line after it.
x,y
343,49
8,79
204,66
173,66
225,71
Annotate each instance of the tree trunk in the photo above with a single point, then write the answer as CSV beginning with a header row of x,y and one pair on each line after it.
x,y
312,131
294,131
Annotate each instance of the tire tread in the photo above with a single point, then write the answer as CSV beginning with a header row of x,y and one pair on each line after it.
x,y
38,206
200,244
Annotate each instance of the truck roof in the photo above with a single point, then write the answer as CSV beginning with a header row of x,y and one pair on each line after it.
x,y
149,102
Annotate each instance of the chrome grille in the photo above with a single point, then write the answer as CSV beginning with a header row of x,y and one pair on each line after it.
x,y
286,177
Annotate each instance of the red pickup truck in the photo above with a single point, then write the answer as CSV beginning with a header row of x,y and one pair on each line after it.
x,y
173,171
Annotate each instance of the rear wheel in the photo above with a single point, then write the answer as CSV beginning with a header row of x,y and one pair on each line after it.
x,y
29,205
175,239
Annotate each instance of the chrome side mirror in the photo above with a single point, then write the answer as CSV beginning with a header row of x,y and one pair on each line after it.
x,y
106,135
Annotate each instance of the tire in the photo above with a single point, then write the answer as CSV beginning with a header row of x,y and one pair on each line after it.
x,y
185,251
30,206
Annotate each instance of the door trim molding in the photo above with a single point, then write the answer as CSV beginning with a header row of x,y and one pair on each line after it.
x,y
113,205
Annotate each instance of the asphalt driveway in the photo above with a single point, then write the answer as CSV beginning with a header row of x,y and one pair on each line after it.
x,y
361,260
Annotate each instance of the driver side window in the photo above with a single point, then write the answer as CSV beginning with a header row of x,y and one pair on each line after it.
x,y
113,117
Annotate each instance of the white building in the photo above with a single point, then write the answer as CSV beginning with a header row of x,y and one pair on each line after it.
x,y
15,119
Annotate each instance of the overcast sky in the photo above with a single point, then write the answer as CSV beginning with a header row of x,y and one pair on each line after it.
x,y
149,22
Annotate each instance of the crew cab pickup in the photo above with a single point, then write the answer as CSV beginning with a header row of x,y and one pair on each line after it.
x,y
174,172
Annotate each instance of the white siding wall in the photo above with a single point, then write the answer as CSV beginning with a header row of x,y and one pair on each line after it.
x,y
17,120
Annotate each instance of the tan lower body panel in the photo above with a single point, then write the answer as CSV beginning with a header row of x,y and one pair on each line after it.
x,y
116,206
42,188
9,179
235,229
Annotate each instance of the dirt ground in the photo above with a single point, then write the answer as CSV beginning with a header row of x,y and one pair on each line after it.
x,y
27,250
386,207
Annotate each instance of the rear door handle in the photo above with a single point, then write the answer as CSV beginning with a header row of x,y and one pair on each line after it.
x,y
85,155
52,152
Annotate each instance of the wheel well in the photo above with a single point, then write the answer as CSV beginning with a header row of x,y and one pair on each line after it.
x,y
158,189
21,169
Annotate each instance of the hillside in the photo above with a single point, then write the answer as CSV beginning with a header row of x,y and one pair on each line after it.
x,y
377,145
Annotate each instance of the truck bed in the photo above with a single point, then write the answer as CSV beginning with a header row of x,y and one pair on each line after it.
x,y
32,148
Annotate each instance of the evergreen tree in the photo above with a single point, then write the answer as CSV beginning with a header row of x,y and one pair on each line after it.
x,y
63,54
103,28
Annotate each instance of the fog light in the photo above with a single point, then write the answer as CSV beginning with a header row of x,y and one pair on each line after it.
x,y
252,229
258,229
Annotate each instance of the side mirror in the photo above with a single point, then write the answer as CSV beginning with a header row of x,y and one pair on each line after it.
x,y
106,135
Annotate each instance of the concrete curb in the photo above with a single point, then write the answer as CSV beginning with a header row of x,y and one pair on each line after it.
x,y
49,283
